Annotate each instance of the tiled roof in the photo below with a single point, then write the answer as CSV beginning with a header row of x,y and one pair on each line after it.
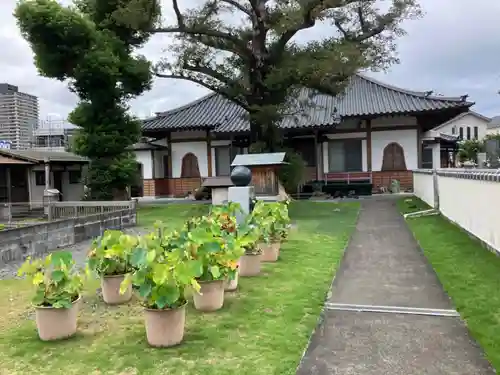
x,y
494,123
248,160
448,137
40,156
364,96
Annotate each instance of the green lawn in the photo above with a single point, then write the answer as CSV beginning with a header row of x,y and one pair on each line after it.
x,y
469,273
262,329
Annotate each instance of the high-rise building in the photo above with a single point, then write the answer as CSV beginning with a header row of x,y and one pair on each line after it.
x,y
18,116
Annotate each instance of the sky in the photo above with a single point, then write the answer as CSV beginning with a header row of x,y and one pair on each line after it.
x,y
453,50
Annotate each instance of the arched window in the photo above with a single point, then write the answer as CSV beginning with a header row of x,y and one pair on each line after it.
x,y
190,166
394,158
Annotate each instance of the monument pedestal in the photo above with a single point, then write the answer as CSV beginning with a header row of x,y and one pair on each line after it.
x,y
244,196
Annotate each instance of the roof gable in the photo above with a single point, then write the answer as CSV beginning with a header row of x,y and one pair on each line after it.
x,y
460,116
363,96
494,123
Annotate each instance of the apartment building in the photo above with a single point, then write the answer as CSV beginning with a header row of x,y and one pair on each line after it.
x,y
53,135
18,116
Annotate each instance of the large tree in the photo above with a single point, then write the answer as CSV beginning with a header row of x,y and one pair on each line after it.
x,y
88,46
257,61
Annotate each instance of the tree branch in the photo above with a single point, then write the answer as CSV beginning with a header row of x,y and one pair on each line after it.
x,y
238,6
309,14
234,44
205,70
212,88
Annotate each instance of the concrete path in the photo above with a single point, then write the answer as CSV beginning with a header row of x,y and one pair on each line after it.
x,y
383,266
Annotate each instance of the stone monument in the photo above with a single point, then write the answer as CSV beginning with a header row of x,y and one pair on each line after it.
x,y
241,192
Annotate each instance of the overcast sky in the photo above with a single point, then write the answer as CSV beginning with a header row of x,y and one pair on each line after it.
x,y
454,50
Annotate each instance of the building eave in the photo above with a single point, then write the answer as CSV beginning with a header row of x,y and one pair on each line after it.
x,y
364,97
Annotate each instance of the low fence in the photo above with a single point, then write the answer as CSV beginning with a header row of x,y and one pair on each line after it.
x,y
19,240
49,211
469,198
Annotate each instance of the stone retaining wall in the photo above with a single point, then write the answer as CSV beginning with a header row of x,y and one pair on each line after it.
x,y
39,239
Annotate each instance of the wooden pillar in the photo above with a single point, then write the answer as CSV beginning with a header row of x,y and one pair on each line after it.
x,y
209,153
9,184
318,157
419,143
231,149
153,165
169,158
369,145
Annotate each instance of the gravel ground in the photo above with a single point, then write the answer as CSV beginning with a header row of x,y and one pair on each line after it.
x,y
78,250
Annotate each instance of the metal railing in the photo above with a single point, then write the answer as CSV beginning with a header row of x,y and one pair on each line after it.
x,y
35,212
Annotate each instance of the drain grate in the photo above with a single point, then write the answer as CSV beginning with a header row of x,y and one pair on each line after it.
x,y
391,309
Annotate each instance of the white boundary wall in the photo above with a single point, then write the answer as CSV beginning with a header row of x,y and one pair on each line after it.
x,y
423,186
469,198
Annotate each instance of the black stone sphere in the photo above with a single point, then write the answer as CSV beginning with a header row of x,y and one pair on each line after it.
x,y
241,176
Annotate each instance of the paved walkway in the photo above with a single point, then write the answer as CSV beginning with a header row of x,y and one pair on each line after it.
x,y
383,266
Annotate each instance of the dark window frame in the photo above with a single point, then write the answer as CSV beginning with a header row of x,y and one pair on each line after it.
x,y
306,148
40,178
468,133
75,177
476,132
461,133
217,149
346,168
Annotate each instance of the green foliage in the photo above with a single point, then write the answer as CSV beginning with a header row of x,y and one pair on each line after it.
x,y
161,275
92,47
57,282
257,62
468,150
292,174
206,248
2,226
110,254
272,219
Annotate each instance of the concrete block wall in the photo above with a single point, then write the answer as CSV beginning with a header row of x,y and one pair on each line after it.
x,y
37,240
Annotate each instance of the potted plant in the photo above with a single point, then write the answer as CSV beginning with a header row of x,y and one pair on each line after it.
x,y
58,287
161,276
250,263
235,246
284,220
248,234
264,215
216,251
226,217
109,258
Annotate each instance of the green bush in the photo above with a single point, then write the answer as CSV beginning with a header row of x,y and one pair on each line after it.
x,y
292,174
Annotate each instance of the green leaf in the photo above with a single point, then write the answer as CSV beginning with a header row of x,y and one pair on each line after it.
x,y
215,271
145,289
139,257
168,295
39,297
151,256
196,268
58,275
62,257
211,247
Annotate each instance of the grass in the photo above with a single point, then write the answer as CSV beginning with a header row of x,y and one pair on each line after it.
x,y
469,273
262,329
